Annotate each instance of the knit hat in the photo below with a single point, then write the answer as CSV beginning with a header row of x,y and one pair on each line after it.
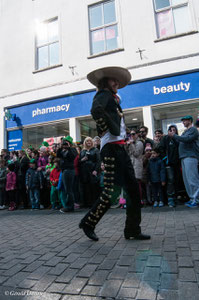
x,y
68,138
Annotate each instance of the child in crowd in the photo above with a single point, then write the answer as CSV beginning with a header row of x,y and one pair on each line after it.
x,y
54,179
157,177
34,183
11,181
2,184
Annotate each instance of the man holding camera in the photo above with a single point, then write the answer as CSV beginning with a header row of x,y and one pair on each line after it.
x,y
67,154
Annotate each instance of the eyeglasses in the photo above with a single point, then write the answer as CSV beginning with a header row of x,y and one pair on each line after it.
x,y
142,131
133,133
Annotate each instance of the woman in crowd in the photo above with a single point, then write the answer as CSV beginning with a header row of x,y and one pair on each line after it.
x,y
89,164
135,150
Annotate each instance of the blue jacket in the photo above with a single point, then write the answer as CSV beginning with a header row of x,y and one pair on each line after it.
x,y
34,179
156,170
188,143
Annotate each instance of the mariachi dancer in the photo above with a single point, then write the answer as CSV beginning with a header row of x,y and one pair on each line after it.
x,y
108,115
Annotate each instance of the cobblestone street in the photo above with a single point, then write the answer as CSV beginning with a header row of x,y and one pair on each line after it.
x,y
44,255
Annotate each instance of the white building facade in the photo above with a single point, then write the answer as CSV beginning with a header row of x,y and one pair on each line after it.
x,y
48,47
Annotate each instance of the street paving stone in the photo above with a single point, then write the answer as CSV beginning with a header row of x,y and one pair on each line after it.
x,y
44,255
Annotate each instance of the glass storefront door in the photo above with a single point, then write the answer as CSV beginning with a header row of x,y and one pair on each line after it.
x,y
133,118
87,128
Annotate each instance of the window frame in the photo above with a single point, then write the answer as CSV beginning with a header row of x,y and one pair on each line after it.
x,y
104,26
186,3
39,46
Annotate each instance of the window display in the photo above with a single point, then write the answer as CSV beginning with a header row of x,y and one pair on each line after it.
x,y
36,135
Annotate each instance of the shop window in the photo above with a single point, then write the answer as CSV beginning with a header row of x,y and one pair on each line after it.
x,y
103,27
172,17
47,44
168,114
51,133
87,128
133,119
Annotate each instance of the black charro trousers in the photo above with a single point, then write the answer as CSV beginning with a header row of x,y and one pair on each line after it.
x,y
118,171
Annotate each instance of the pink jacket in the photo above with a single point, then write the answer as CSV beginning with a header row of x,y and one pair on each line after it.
x,y
11,180
42,162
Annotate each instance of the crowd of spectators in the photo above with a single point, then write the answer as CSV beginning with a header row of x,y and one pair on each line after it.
x,y
68,176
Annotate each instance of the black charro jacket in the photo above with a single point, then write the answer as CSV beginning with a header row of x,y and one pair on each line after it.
x,y
106,112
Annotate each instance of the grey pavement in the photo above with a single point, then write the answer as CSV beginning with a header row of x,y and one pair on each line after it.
x,y
44,255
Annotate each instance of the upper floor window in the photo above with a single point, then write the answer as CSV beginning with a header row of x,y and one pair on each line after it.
x,y
103,27
47,44
172,17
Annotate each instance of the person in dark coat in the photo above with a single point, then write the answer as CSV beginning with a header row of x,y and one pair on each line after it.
x,y
156,177
168,148
108,115
67,154
21,177
89,166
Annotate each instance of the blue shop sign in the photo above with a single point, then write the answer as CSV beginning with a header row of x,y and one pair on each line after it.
x,y
152,92
15,140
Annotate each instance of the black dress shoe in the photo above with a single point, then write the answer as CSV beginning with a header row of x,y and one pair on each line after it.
x,y
89,232
139,236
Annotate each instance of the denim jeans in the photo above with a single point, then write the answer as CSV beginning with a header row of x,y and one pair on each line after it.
x,y
191,177
68,176
34,197
157,191
173,178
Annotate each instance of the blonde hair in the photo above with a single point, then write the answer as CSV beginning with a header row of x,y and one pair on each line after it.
x,y
88,138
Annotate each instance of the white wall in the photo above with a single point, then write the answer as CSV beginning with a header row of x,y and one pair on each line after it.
x,y
18,83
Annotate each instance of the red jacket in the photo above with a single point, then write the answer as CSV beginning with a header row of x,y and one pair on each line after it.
x,y
54,176
11,180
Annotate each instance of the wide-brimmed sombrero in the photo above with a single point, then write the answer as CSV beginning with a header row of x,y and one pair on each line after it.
x,y
121,74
